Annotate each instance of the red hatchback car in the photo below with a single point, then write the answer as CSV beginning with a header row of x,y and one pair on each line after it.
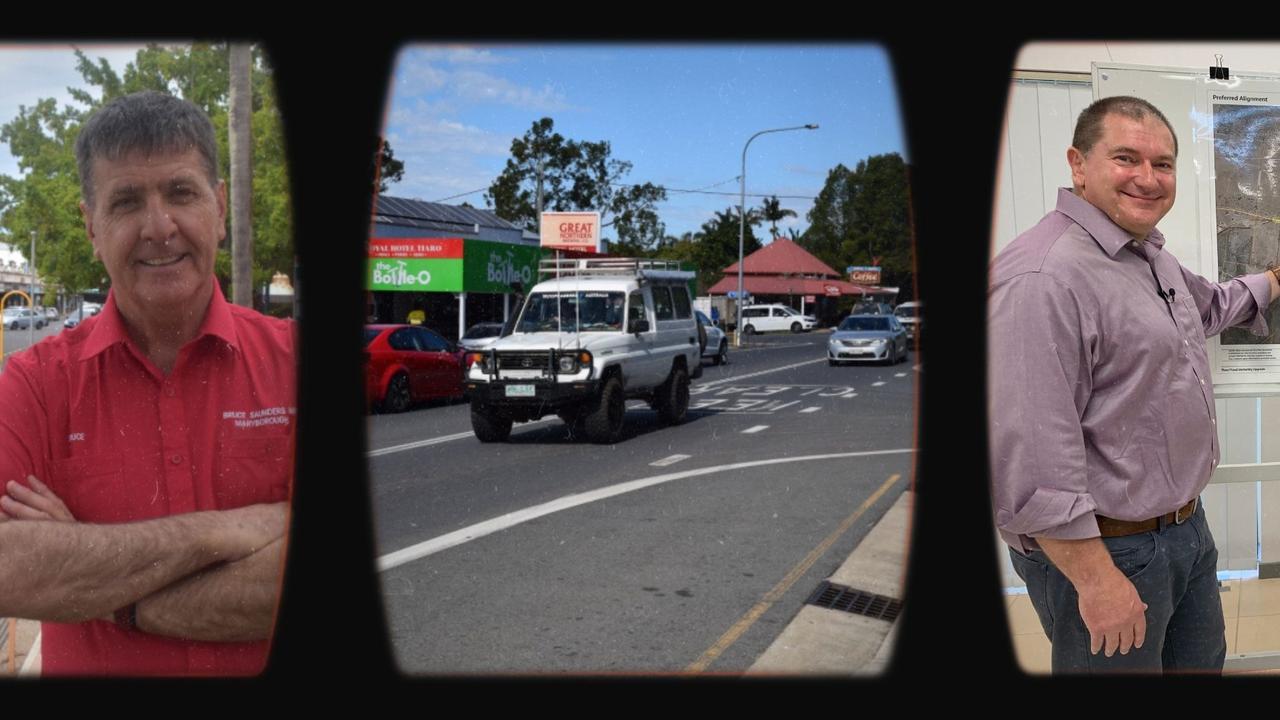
x,y
405,364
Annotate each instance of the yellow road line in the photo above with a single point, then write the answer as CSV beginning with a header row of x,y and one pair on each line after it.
x,y
771,597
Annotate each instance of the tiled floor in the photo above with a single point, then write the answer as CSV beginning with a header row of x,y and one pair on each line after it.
x,y
1251,609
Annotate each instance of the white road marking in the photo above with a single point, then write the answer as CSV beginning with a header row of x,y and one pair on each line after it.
x,y
488,527
877,383
815,408
442,439
418,444
899,374
755,429
672,460
737,378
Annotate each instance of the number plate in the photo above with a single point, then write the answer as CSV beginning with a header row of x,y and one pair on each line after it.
x,y
520,391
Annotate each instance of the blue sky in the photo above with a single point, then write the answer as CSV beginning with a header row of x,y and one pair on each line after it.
x,y
31,72
680,113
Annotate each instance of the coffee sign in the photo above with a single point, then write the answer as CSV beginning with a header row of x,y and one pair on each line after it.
x,y
864,275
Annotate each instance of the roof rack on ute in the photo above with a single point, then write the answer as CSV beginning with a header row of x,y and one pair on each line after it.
x,y
603,267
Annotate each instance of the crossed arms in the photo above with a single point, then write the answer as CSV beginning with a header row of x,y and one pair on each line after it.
x,y
211,575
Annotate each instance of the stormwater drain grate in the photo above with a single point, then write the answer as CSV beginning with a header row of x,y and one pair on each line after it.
x,y
857,602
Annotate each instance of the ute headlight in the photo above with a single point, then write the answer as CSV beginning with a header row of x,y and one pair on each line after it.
x,y
481,360
574,362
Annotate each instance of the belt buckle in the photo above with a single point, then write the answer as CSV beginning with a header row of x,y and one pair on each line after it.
x,y
1179,518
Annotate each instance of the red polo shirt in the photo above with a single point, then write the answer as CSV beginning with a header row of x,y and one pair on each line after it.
x,y
89,414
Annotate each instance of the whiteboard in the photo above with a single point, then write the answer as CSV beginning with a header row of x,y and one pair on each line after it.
x,y
1190,100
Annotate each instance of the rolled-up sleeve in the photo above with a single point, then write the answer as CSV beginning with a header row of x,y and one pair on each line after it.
x,y
1239,301
1041,348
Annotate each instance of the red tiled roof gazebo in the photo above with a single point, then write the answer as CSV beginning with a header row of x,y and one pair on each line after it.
x,y
784,268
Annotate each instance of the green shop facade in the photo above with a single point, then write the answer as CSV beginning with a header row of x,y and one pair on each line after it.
x,y
455,281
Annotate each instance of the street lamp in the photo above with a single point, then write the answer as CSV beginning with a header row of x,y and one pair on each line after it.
x,y
742,221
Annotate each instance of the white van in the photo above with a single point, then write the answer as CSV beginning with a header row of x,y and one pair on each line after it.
x,y
768,318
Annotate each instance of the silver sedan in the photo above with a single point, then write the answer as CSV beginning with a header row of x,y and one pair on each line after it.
x,y
879,338
717,348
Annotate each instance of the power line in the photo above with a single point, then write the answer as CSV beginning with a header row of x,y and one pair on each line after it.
x,y
728,194
469,192
701,191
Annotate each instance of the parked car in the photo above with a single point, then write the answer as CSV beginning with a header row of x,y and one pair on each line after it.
x,y
717,347
868,307
51,313
92,308
480,335
405,364
20,317
767,318
868,337
909,314
75,318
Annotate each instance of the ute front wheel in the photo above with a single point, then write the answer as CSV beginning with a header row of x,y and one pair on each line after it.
x,y
603,425
489,426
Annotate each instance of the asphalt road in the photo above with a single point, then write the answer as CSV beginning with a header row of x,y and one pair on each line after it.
x,y
15,340
550,554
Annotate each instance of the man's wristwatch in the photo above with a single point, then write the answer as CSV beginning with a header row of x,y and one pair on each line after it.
x,y
127,616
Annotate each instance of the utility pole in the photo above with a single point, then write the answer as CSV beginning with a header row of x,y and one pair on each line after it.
x,y
240,134
31,327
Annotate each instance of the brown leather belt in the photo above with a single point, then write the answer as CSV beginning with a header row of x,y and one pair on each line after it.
x,y
1110,527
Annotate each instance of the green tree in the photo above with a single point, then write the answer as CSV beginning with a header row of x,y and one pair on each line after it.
x,y
772,212
576,176
42,140
390,170
716,246
862,216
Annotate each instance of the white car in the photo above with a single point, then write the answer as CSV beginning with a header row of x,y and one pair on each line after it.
x,y
600,331
769,318
717,347
909,314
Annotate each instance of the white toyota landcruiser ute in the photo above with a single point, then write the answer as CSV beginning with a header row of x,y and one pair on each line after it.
x,y
592,334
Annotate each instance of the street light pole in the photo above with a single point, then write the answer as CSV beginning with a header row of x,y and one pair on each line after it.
x,y
742,222
31,326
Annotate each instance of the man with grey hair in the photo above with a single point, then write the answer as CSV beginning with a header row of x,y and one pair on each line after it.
x,y
146,455
1101,408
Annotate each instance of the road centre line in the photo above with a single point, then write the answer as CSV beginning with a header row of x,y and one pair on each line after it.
x,y
773,347
509,520
877,383
671,460
755,429
771,597
738,378
813,409
418,444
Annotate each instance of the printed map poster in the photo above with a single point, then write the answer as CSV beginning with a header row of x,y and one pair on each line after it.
x,y
1246,195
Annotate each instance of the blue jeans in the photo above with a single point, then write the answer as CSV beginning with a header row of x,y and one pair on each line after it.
x,y
1175,572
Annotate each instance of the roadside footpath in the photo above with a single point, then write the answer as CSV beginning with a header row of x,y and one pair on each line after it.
x,y
829,641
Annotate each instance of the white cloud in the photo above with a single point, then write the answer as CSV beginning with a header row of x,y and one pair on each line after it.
x,y
433,135
478,86
415,76
471,56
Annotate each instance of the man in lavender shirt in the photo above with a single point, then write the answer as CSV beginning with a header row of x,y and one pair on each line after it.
x,y
1103,431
